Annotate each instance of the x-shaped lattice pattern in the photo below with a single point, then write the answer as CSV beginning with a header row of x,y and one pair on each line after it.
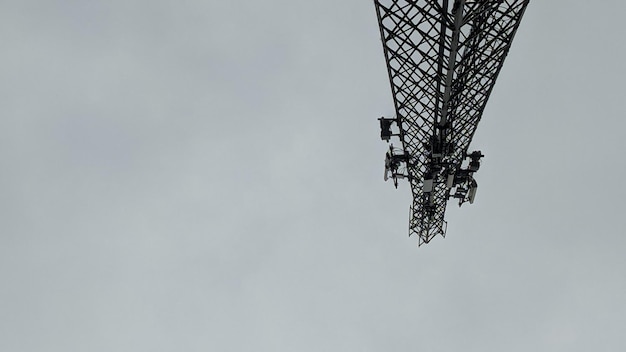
x,y
443,58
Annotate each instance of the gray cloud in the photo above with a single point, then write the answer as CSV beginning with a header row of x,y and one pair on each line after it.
x,y
208,176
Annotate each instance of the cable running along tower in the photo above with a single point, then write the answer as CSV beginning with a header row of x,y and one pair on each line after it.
x,y
443,58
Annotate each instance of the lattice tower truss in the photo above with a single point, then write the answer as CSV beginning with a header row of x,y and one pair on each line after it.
x,y
443,58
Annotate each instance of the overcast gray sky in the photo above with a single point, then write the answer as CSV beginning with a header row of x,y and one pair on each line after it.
x,y
207,176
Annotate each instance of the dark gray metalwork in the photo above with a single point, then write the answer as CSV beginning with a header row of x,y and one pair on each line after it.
x,y
443,58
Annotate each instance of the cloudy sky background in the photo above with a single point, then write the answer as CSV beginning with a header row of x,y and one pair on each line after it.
x,y
207,176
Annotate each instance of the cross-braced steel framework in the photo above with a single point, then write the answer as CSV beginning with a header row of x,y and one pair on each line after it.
x,y
443,58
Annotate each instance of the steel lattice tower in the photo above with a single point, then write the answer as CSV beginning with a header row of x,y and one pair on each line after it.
x,y
443,58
